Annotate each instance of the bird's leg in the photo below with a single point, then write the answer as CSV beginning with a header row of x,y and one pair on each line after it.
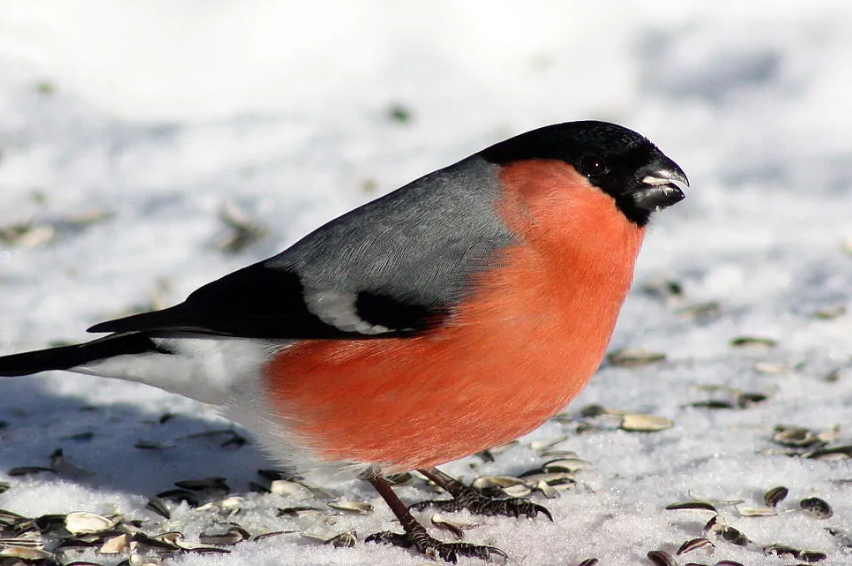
x,y
415,535
465,497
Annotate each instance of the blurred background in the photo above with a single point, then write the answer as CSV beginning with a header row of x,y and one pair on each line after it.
x,y
147,147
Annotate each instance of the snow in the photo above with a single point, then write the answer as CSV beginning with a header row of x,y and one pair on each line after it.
x,y
158,114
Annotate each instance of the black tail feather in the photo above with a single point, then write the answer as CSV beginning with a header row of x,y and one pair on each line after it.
x,y
66,357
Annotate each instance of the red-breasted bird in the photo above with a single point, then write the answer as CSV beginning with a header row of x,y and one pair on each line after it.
x,y
449,316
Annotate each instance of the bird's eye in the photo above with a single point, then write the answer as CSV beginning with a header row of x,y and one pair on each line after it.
x,y
592,165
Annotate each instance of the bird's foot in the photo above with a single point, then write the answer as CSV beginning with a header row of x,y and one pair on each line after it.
x,y
479,504
420,540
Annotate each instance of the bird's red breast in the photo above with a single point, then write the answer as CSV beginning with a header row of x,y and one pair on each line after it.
x,y
525,340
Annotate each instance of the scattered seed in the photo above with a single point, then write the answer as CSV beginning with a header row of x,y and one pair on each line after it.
x,y
455,528
633,357
692,506
298,511
28,470
734,536
781,551
711,404
661,558
206,485
115,545
21,542
82,522
26,553
829,313
695,544
830,454
589,562
284,487
729,563
358,507
273,534
773,368
756,511
645,423
706,310
399,480
795,437
346,539
812,556
520,490
746,400
775,495
540,445
143,444
816,508
566,465
547,490
233,535
180,496
227,506
489,482
748,341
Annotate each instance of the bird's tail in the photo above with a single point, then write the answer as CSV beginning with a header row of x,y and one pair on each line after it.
x,y
68,357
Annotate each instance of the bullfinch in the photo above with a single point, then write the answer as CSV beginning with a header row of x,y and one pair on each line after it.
x,y
454,314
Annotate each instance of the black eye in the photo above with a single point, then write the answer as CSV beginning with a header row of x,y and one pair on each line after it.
x,y
590,165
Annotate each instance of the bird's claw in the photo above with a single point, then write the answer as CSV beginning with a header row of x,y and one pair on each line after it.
x,y
480,504
432,547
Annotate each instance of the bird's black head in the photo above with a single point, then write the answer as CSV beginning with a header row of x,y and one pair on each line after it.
x,y
620,162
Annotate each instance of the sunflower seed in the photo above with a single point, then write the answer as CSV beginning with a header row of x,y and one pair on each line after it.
x,y
399,480
228,506
812,556
695,544
273,534
830,454
515,491
775,495
284,487
566,465
25,553
661,558
115,545
233,535
180,496
298,511
711,404
746,400
28,470
756,511
633,357
781,551
692,506
4,486
547,490
773,368
82,522
749,341
816,508
159,507
729,563
22,542
706,310
829,313
539,445
589,562
645,423
455,528
794,437
359,507
346,539
734,536
207,485
500,482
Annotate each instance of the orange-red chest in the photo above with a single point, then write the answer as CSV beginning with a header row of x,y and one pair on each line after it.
x,y
520,347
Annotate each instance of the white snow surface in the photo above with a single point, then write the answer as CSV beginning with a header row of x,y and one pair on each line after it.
x,y
159,113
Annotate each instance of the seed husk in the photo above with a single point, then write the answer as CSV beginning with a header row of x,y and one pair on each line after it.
x,y
830,454
206,485
794,437
734,536
645,423
26,553
775,495
694,544
455,528
273,534
748,341
746,400
489,482
757,511
285,487
28,470
812,556
233,535
661,558
115,545
358,507
816,508
298,511
634,357
692,506
781,551
729,563
589,562
520,490
82,522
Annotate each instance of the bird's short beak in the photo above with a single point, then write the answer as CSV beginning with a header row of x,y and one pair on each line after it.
x,y
657,189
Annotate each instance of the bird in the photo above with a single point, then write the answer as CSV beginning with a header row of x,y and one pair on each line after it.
x,y
454,314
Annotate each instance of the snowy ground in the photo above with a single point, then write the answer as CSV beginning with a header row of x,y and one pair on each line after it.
x,y
125,128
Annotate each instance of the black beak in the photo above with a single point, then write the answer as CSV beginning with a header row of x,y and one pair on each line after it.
x,y
657,189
